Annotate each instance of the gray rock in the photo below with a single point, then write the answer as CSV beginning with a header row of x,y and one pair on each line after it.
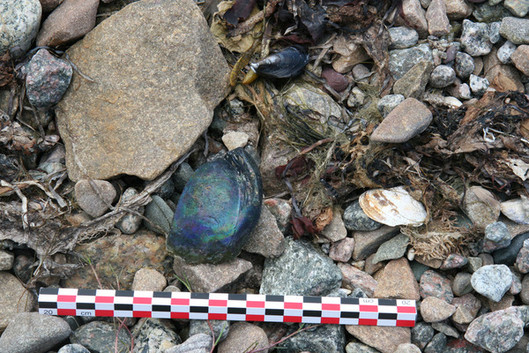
x,y
461,284
515,29
475,38
130,222
266,238
421,334
366,243
355,219
498,331
321,339
442,76
47,79
494,32
300,270
160,214
73,348
94,196
492,281
489,13
53,161
392,249
443,327
508,255
519,8
505,51
497,236
387,103
20,23
7,259
402,60
153,335
99,336
437,344
413,82
464,65
33,332
306,96
15,298
402,37
356,98
208,277
221,328
143,105
407,120
182,176
199,343
357,347
478,85
243,337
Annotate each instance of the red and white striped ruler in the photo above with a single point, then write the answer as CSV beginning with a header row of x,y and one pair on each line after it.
x,y
224,306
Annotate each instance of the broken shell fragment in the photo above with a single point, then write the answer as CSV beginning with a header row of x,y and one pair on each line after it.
x,y
287,63
516,210
392,207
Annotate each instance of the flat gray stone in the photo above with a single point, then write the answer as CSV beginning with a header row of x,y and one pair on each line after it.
x,y
492,281
402,60
367,243
515,29
394,248
300,270
413,82
135,118
402,37
33,332
159,214
408,119
20,23
519,8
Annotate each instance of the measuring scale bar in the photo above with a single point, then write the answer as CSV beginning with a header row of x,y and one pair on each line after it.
x,y
224,306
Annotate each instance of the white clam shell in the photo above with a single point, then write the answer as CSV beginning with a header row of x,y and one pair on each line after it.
x,y
393,207
516,210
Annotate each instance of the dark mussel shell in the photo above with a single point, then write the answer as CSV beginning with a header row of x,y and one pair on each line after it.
x,y
287,63
219,207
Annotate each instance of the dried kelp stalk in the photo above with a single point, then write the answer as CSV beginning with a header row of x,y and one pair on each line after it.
x,y
439,241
